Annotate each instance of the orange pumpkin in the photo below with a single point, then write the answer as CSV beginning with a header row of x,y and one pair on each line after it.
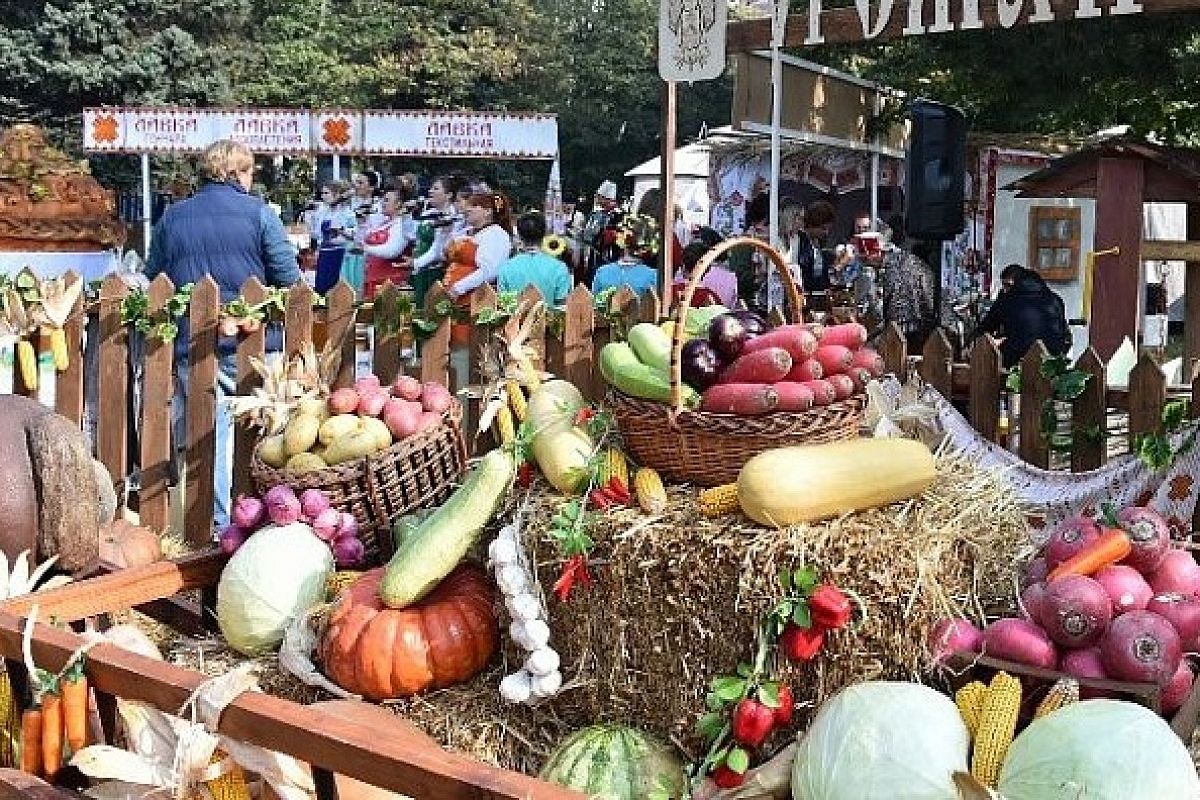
x,y
124,544
384,653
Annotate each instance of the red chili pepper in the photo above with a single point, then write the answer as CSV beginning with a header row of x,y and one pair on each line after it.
x,y
725,778
619,490
599,499
801,644
524,475
752,722
830,607
583,416
787,705
574,569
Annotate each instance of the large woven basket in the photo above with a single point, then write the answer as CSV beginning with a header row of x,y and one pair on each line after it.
x,y
415,473
709,449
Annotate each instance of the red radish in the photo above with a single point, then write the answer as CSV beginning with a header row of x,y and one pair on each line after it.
x,y
1033,602
343,401
1176,692
1182,611
1021,641
1141,646
950,636
1085,663
1178,572
860,376
1036,571
1068,538
435,397
763,366
809,370
843,386
406,387
1126,588
869,360
799,343
849,334
1076,611
834,358
747,399
823,392
793,396
1150,536
372,404
367,384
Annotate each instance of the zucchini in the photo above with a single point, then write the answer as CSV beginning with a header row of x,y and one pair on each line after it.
x,y
621,368
403,527
431,551
651,345
698,320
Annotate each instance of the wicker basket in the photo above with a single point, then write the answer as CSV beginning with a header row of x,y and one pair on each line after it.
x,y
415,473
709,449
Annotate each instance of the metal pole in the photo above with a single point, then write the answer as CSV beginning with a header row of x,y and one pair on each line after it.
x,y
778,28
875,164
667,186
337,167
147,205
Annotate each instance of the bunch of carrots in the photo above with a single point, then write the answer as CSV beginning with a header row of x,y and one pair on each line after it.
x,y
59,713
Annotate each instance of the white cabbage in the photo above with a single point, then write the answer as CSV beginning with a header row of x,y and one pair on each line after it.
x,y
882,741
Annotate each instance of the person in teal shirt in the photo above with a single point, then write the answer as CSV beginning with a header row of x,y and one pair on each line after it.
x,y
634,234
531,266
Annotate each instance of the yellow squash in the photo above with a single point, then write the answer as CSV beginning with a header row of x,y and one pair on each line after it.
x,y
791,485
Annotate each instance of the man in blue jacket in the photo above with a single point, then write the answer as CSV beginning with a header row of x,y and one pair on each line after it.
x,y
225,232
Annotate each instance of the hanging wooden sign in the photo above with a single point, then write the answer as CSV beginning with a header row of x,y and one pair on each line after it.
x,y
892,19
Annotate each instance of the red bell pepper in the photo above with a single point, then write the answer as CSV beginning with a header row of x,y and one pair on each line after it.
x,y
801,644
725,778
830,607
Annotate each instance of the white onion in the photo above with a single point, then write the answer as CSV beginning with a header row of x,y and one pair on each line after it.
x,y
512,580
523,606
542,661
503,552
547,685
517,687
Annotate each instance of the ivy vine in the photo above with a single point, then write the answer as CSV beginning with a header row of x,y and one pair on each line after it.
x,y
1067,384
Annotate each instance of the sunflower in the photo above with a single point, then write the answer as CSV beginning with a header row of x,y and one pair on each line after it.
x,y
554,245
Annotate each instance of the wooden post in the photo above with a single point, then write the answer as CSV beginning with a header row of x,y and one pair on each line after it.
x,y
894,349
986,385
435,352
666,180
158,392
1147,396
578,345
1191,298
1035,394
202,411
340,318
68,384
1117,294
387,332
250,345
298,319
113,381
936,359
1089,417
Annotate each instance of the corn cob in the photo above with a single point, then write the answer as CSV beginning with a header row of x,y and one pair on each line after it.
x,y
516,399
10,725
1062,693
969,700
231,785
58,346
340,581
648,487
997,724
615,466
27,361
719,500
504,425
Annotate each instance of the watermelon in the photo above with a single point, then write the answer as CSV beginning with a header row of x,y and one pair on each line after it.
x,y
615,762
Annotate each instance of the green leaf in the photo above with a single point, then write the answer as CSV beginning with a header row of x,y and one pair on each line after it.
x,y
709,726
1071,384
785,579
729,689
768,694
1049,418
805,579
712,702
1174,414
745,670
26,280
1053,367
1155,451
1013,382
801,617
1108,513
738,760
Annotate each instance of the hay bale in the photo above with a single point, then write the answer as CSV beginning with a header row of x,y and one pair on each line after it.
x,y
678,597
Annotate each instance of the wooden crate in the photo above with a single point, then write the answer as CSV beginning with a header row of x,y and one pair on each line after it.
x,y
390,759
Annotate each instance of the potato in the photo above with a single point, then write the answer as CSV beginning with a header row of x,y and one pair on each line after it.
x,y
271,451
435,397
305,462
367,384
343,401
371,404
314,407
336,427
353,445
428,419
300,434
402,420
379,430
406,387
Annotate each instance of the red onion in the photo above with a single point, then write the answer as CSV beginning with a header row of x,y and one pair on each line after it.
x,y
325,526
1021,641
949,636
248,512
1035,571
1076,611
348,525
231,538
313,502
1150,535
1182,611
1176,691
1085,663
1126,588
283,507
1178,572
1068,538
348,551
1033,602
1141,646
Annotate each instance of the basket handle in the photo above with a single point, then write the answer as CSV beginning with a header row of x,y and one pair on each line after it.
x,y
795,301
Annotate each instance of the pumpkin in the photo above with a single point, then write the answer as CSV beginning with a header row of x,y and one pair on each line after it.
x,y
615,762
124,544
444,639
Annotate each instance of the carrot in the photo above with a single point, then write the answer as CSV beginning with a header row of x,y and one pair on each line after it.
x,y
809,370
793,396
843,385
1112,546
75,707
849,334
834,358
764,366
747,399
823,391
31,741
860,376
52,733
796,339
870,360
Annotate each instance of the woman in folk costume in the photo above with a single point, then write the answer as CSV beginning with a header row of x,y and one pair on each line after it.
x,y
489,217
385,244
366,206
334,234
433,234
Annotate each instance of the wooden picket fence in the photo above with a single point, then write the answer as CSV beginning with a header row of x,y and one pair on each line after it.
x,y
569,348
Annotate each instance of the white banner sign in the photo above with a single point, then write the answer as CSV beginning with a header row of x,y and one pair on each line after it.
x,y
691,39
460,134
175,129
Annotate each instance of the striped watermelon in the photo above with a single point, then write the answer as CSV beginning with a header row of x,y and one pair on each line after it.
x,y
615,762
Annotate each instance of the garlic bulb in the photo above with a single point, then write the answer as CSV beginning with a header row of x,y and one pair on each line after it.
x,y
516,688
524,606
546,685
503,552
538,633
512,580
510,532
542,661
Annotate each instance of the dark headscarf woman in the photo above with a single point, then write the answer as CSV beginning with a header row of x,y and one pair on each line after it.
x,y
1026,310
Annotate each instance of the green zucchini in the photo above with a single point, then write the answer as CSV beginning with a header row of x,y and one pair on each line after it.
x,y
698,320
431,551
622,369
651,345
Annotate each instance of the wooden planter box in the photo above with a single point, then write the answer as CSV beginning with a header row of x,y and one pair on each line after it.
x,y
389,759
963,670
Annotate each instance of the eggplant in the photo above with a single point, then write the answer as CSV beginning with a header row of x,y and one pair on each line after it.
x,y
755,324
699,364
727,335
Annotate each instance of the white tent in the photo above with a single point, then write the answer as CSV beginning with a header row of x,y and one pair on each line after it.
x,y
691,181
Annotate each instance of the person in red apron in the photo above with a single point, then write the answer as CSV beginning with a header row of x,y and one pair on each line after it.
x,y
386,244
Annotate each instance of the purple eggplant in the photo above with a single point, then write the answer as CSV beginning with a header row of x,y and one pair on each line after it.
x,y
699,364
727,335
754,324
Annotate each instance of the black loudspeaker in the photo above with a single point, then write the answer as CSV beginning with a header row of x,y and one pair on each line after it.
x,y
936,170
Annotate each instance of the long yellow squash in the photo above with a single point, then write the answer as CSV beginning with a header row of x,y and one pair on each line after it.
x,y
801,484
